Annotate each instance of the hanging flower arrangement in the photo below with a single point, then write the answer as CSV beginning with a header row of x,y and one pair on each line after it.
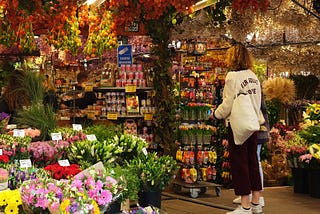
x,y
254,5
63,30
101,34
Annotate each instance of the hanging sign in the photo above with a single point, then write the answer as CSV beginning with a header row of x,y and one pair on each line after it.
x,y
124,55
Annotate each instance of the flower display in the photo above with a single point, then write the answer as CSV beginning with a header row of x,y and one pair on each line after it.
x,y
4,119
46,152
295,147
99,186
145,210
115,150
15,147
18,175
62,172
38,194
4,161
10,201
4,175
312,112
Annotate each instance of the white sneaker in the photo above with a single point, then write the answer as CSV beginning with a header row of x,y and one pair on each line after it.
x,y
240,210
237,200
256,209
261,201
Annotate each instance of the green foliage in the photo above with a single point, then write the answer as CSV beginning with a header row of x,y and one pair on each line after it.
x,y
33,86
311,134
127,177
217,12
37,116
159,31
5,69
305,85
273,110
116,150
155,172
103,132
260,70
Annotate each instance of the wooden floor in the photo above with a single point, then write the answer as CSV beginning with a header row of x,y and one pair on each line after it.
x,y
279,200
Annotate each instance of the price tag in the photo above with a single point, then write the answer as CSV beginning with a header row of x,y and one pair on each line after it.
x,y
11,126
91,114
1,153
144,151
56,136
64,162
91,137
131,88
88,88
25,163
221,77
148,116
18,133
77,127
112,116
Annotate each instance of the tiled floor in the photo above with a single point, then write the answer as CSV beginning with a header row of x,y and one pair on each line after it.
x,y
279,200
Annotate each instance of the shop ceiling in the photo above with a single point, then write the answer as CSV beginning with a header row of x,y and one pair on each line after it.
x,y
287,36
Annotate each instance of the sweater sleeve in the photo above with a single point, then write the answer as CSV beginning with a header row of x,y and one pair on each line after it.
x,y
224,109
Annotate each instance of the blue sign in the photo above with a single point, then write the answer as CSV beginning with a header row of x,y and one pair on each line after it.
x,y
124,55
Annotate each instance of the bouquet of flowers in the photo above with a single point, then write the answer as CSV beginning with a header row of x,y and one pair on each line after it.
x,y
4,161
40,194
47,152
295,147
312,112
18,175
10,201
99,186
4,119
62,172
14,147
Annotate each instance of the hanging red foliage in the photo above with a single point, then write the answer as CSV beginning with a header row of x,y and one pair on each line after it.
x,y
252,5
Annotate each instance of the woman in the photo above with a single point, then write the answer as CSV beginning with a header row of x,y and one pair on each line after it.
x,y
243,158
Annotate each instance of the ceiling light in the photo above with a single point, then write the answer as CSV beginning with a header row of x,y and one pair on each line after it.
x,y
93,2
202,4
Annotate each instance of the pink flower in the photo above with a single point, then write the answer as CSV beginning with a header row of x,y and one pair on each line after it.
x,y
105,197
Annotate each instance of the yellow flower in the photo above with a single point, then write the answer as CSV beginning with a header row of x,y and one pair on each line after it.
x,y
11,209
96,209
3,197
64,204
317,111
315,150
14,197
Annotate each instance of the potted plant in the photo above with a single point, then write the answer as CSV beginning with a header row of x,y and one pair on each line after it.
x,y
155,173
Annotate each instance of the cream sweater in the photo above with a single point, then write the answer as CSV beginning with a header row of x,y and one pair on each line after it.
x,y
244,81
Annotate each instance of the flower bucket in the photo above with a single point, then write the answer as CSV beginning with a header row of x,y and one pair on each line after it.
x,y
113,208
314,185
149,198
300,180
3,185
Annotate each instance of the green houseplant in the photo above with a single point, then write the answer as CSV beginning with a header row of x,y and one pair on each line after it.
x,y
155,173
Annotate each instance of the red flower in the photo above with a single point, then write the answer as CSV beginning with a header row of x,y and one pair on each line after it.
x,y
62,172
4,158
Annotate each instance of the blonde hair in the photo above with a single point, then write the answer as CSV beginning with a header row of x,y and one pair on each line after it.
x,y
239,58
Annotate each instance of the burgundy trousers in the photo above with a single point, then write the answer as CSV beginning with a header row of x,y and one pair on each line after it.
x,y
244,165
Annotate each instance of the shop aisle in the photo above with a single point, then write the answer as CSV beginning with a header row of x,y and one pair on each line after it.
x,y
279,200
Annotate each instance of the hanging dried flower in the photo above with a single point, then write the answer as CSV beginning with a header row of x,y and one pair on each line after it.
x,y
281,89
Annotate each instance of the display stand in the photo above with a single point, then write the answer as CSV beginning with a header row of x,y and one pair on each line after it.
x,y
196,101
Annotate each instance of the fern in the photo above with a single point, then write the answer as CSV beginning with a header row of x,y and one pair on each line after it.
x,y
37,116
